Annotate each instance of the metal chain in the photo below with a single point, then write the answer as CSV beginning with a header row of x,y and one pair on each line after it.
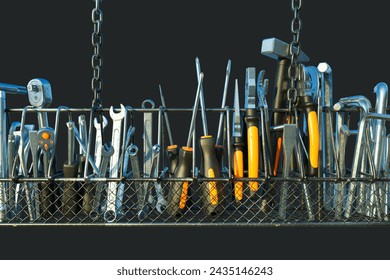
x,y
294,51
97,59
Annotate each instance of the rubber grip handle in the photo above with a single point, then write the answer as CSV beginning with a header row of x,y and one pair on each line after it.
x,y
252,120
314,141
70,197
173,157
178,193
238,166
211,190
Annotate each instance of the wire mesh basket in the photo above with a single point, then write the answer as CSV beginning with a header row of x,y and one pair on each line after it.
x,y
159,198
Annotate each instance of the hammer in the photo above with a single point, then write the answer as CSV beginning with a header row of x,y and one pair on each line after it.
x,y
279,51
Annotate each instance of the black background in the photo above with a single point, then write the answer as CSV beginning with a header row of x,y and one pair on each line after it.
x,y
147,43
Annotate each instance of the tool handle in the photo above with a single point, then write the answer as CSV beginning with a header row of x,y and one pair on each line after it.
x,y
238,166
314,140
69,196
211,190
178,193
173,157
252,120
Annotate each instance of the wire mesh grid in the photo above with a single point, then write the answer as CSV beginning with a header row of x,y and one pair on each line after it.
x,y
162,199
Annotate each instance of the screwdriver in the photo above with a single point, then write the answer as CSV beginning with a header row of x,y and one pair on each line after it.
x,y
172,149
70,195
218,147
178,194
238,145
252,124
211,190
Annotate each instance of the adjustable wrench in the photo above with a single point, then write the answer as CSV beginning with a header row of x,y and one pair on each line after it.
x,y
106,152
117,118
98,141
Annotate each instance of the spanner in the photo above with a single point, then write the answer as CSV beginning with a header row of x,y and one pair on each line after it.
x,y
110,212
83,133
132,151
98,142
125,164
82,145
106,152
147,196
33,135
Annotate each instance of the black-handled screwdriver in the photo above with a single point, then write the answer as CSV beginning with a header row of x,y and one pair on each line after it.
x,y
172,149
178,193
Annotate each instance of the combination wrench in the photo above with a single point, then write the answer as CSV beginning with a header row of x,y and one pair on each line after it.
x,y
98,141
110,213
106,152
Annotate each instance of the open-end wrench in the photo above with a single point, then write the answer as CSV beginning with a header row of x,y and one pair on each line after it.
x,y
161,201
23,151
82,145
83,133
147,198
106,152
110,213
340,191
148,139
98,141
132,151
125,163
33,136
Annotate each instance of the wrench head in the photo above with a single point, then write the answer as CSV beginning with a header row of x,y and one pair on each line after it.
x,y
118,116
107,150
96,123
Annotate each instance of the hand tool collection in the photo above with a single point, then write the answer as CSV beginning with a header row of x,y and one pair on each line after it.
x,y
288,161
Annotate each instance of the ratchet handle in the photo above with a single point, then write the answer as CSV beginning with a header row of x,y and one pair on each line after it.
x,y
69,195
252,120
238,166
178,193
211,190
314,139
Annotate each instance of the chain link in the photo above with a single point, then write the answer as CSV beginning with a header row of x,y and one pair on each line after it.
x,y
294,51
97,59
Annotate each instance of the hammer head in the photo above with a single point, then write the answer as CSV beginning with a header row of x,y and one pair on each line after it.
x,y
277,49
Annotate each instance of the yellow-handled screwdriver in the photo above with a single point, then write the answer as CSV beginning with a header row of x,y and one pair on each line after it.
x,y
252,123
